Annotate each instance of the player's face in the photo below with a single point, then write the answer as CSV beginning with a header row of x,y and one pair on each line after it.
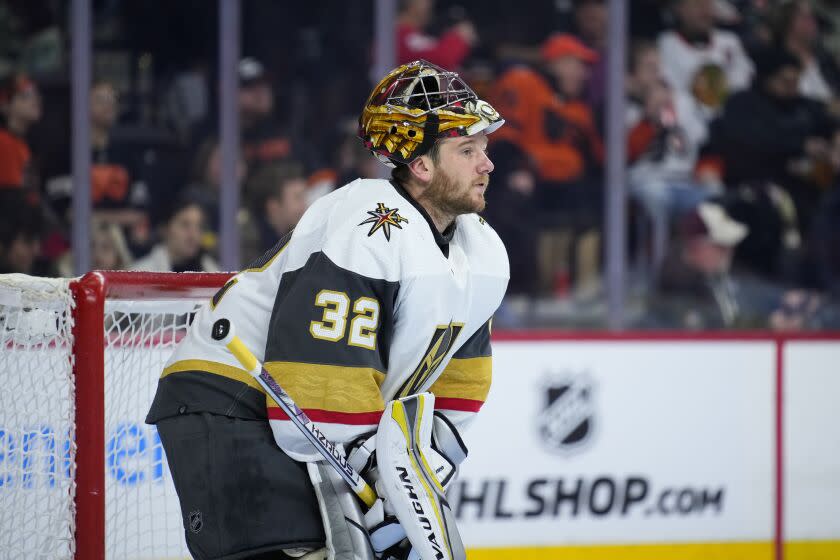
x,y
461,175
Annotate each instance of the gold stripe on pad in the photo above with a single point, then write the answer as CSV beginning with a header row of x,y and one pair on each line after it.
x,y
672,551
465,378
329,387
398,413
812,550
216,368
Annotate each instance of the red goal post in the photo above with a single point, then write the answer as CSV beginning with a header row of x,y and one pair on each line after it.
x,y
80,475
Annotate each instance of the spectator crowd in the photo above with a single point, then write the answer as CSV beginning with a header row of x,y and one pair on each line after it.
x,y
732,122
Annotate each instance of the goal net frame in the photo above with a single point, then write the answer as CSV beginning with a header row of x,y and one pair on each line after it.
x,y
90,293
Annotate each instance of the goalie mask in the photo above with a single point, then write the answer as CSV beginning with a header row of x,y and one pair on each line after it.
x,y
416,104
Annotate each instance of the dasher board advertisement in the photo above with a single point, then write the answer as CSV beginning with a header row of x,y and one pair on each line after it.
x,y
612,442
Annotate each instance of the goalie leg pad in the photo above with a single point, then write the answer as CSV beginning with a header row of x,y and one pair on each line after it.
x,y
409,481
346,536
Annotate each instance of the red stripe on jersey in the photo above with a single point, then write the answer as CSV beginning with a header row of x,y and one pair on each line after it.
x,y
331,417
464,405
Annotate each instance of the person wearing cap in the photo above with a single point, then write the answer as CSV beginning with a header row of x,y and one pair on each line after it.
x,y
556,130
700,288
384,289
550,121
256,96
20,108
696,288
263,137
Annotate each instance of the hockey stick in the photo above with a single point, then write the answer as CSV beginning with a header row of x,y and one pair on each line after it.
x,y
224,334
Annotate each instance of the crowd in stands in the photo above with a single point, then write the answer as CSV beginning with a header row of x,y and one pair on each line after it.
x,y
733,143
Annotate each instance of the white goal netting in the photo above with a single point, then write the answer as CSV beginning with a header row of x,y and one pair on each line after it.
x,y
38,380
37,453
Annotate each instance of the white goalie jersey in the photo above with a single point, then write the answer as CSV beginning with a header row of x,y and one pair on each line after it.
x,y
365,302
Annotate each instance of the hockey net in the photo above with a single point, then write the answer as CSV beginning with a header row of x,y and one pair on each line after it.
x,y
81,474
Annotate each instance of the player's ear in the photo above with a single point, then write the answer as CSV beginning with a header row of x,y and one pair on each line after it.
x,y
422,168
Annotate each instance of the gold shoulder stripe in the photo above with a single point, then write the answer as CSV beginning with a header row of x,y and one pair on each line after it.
x,y
217,297
216,368
329,387
465,378
265,261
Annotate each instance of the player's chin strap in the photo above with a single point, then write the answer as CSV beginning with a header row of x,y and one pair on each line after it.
x,y
416,454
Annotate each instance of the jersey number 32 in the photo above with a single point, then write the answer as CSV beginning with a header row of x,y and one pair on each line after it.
x,y
333,323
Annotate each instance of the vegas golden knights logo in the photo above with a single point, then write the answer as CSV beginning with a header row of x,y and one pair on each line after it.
x,y
382,219
442,340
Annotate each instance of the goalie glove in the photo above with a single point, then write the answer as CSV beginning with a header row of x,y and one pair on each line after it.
x,y
446,453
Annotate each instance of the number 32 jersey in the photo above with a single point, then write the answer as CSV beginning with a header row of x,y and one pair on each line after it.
x,y
363,303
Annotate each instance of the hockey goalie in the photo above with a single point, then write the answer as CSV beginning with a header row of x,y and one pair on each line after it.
x,y
374,316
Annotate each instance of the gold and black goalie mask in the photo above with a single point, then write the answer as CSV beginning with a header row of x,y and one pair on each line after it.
x,y
415,105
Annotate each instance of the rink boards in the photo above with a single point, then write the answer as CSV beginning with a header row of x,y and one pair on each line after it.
x,y
620,447
656,448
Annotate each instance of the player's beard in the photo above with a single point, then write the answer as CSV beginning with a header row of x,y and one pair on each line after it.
x,y
453,198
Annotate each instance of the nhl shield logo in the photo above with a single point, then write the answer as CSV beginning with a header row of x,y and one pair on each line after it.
x,y
567,420
196,522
